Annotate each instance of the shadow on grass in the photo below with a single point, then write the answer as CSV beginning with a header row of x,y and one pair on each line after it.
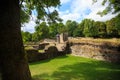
x,y
95,70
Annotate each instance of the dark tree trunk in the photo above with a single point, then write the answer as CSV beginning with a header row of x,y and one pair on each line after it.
x,y
13,62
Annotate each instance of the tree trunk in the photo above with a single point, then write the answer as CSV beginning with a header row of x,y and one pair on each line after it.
x,y
13,62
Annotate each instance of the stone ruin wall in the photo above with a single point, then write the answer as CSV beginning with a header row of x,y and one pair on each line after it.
x,y
50,51
105,52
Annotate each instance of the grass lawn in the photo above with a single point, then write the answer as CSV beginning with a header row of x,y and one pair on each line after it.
x,y
74,68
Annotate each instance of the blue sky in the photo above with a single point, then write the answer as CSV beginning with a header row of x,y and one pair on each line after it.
x,y
76,10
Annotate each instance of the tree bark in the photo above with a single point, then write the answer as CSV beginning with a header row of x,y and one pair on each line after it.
x,y
13,62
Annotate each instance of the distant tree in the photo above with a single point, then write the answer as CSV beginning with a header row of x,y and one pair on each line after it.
x,y
71,26
102,30
81,27
35,37
79,30
77,33
117,24
96,28
86,28
90,30
61,28
53,30
112,30
26,36
42,31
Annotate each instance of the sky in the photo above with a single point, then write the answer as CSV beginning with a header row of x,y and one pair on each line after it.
x,y
75,10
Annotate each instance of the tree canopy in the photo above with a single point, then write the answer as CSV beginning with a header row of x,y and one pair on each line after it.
x,y
42,8
113,6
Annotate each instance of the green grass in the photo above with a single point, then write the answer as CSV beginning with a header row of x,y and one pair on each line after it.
x,y
74,68
41,51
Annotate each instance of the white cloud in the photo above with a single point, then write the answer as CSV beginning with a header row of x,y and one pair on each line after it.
x,y
99,18
76,10
64,1
79,8
80,5
70,16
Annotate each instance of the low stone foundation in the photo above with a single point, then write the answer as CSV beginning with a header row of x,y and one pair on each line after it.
x,y
33,55
99,51
50,52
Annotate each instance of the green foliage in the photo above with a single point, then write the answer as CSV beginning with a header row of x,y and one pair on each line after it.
x,y
42,9
90,30
114,6
102,29
53,29
24,17
56,28
35,37
61,28
41,32
78,32
105,11
74,68
104,1
26,36
71,26
97,27
86,28
117,23
111,29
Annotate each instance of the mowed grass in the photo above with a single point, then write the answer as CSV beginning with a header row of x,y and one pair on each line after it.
x,y
74,68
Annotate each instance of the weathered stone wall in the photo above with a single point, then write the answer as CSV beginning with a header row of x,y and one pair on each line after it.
x,y
34,55
50,52
105,51
42,45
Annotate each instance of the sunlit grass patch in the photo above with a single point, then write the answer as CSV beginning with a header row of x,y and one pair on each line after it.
x,y
41,51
